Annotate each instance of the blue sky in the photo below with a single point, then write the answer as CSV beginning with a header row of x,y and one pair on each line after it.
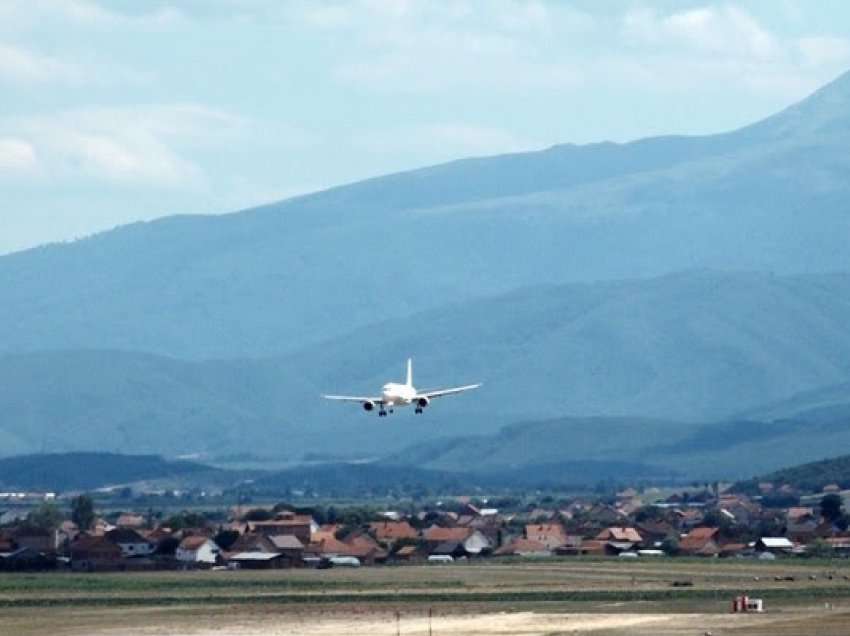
x,y
116,111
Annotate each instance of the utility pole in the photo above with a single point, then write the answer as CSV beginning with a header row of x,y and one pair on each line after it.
x,y
430,612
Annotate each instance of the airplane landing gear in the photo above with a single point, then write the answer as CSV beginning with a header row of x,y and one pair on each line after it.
x,y
418,410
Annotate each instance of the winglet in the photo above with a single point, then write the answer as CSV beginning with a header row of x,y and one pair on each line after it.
x,y
409,372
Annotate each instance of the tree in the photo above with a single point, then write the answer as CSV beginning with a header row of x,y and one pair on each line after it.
x,y
258,514
226,538
831,507
670,546
185,519
82,512
46,517
819,549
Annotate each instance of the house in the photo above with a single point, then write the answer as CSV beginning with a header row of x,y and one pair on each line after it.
x,y
7,542
655,533
573,546
253,542
38,539
288,545
26,560
734,549
94,552
68,531
390,531
438,534
620,535
197,549
132,543
453,549
101,526
359,545
774,545
593,547
128,520
551,535
365,548
473,541
301,526
801,529
259,560
700,541
521,546
796,513
408,554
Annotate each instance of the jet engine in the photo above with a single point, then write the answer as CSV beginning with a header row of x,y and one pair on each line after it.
x,y
423,402
368,405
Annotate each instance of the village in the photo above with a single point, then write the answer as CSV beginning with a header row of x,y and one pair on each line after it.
x,y
706,523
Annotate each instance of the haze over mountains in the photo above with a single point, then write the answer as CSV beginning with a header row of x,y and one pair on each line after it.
x,y
681,279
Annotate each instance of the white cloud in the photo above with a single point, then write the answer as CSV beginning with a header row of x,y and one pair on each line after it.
x,y
22,65
823,50
426,47
723,45
30,13
722,31
506,46
148,145
16,155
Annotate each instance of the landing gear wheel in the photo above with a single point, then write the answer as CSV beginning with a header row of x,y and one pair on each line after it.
x,y
418,410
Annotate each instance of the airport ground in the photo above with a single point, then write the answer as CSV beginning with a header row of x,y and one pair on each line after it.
x,y
565,596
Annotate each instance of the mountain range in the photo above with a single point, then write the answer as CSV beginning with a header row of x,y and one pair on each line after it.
x,y
677,281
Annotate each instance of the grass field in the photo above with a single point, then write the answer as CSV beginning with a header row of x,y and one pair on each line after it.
x,y
600,596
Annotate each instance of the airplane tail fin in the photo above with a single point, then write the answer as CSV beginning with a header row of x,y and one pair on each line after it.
x,y
409,372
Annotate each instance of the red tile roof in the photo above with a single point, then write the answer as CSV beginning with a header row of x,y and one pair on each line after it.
x,y
392,530
438,534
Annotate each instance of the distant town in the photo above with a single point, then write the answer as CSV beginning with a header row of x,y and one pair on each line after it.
x,y
43,531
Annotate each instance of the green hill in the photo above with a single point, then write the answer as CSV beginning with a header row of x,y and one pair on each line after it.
x,y
721,450
86,471
811,477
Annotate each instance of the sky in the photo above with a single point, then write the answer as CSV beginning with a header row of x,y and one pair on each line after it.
x,y
125,110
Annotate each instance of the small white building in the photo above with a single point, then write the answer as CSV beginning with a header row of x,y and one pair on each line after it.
x,y
774,545
197,549
476,543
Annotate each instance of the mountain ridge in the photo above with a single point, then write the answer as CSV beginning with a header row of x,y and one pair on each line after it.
x,y
772,196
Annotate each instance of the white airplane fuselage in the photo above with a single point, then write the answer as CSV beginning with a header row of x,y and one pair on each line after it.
x,y
395,394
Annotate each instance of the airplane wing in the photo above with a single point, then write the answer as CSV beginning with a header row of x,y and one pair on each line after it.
x,y
452,391
352,398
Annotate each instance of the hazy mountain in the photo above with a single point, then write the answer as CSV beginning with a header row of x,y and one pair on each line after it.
x,y
685,348
824,404
772,196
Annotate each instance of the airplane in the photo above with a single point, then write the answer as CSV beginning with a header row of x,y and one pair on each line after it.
x,y
394,394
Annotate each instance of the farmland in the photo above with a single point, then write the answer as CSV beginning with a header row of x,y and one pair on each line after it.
x,y
521,597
